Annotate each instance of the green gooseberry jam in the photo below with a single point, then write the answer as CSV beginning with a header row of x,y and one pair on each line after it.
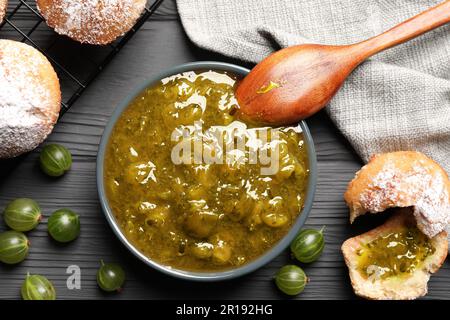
x,y
397,253
201,216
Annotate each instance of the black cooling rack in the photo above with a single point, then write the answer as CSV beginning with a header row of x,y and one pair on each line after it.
x,y
24,23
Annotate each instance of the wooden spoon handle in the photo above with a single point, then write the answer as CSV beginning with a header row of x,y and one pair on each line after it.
x,y
407,30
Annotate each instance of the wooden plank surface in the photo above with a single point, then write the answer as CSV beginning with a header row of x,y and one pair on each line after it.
x,y
160,44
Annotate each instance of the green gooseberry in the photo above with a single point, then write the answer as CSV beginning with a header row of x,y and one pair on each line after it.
x,y
291,280
64,225
13,247
308,245
55,160
22,214
36,287
110,277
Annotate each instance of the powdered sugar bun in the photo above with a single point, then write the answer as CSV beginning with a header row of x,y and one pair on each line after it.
x,y
402,179
30,98
91,21
3,6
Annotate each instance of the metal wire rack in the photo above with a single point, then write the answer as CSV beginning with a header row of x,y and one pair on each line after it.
x,y
24,23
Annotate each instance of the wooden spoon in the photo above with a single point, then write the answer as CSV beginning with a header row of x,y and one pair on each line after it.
x,y
296,82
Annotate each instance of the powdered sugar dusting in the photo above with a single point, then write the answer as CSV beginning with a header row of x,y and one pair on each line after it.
x,y
91,21
27,108
421,187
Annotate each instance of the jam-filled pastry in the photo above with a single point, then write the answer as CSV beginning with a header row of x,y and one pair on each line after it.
x,y
395,260
30,98
402,179
91,21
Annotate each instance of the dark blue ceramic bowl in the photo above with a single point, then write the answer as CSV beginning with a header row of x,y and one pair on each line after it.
x,y
203,276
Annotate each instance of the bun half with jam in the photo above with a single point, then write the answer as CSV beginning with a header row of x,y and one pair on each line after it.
x,y
394,261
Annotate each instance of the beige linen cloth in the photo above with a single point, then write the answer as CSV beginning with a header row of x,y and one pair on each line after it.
x,y
398,100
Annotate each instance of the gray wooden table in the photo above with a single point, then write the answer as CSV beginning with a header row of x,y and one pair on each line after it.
x,y
160,44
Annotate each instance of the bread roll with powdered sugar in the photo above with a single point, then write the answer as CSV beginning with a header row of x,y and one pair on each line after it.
x,y
3,6
402,179
30,98
91,21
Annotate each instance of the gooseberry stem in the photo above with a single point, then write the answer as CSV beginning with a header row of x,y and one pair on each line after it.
x,y
323,229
